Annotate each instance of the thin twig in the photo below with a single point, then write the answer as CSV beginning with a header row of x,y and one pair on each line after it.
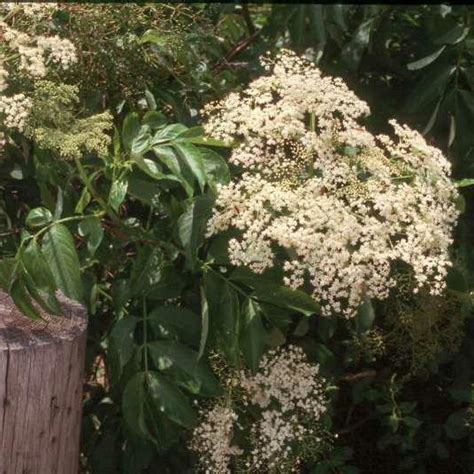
x,y
124,237
351,378
11,232
355,426
241,46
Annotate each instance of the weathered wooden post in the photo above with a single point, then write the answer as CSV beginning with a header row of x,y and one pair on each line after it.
x,y
41,369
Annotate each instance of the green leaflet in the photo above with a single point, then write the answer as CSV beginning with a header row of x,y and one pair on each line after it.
x,y
190,372
59,250
192,226
147,397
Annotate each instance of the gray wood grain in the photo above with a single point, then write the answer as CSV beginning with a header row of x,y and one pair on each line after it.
x,y
41,370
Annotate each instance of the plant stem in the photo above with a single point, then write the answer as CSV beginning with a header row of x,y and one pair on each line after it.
x,y
11,232
59,221
241,46
92,191
233,285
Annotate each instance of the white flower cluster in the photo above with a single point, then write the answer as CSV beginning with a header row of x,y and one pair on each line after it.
x,y
289,390
59,51
3,75
37,10
213,438
345,205
284,400
15,110
36,52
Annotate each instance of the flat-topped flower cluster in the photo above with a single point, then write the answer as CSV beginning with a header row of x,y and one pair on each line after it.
x,y
26,56
34,100
36,52
277,414
344,204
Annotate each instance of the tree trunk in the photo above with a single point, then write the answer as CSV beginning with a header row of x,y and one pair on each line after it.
x,y
41,369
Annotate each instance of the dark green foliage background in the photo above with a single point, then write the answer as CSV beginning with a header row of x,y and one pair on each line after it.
x,y
162,298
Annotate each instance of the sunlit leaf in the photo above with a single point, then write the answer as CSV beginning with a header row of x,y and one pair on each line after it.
x,y
426,61
58,248
38,217
130,129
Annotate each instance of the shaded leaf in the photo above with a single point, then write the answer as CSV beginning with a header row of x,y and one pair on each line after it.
x,y
204,322
270,291
145,190
166,398
122,344
154,119
326,327
146,270
91,228
336,14
199,377
365,316
317,29
130,129
120,294
180,322
224,313
455,35
7,268
457,425
192,226
429,88
84,200
252,338
353,51
170,285
133,405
